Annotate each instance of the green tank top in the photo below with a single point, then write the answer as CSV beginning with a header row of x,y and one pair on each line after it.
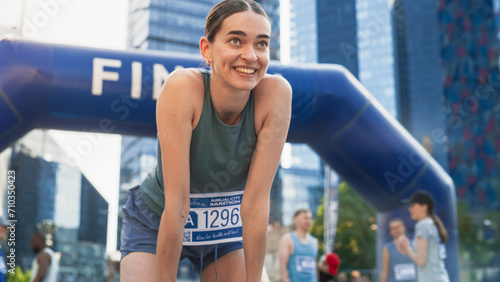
x,y
220,154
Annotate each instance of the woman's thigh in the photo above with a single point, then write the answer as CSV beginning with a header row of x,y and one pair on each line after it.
x,y
138,266
228,268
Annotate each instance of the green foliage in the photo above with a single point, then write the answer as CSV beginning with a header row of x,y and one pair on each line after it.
x,y
19,276
473,247
318,227
355,241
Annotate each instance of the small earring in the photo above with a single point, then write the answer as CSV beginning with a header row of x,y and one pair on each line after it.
x,y
208,63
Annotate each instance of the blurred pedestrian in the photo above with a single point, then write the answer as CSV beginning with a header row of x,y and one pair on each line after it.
x,y
3,235
342,277
430,233
298,250
365,278
395,265
355,276
45,265
328,267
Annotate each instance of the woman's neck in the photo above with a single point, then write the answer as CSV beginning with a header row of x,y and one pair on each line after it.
x,y
228,103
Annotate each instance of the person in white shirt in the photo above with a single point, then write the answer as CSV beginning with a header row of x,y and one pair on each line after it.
x,y
45,265
430,234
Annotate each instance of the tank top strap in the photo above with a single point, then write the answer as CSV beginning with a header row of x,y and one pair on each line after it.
x,y
206,83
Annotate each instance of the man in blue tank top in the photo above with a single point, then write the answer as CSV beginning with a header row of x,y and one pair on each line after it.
x,y
298,251
396,266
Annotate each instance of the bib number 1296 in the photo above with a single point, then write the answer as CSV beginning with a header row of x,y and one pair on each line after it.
x,y
214,218
222,218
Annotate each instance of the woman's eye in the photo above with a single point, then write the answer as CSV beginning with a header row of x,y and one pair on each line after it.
x,y
235,41
263,44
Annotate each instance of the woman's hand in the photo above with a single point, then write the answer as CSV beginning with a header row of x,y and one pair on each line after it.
x,y
403,244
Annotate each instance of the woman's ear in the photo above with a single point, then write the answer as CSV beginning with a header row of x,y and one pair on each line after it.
x,y
205,50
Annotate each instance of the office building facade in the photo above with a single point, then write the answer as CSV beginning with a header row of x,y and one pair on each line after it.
x,y
375,51
302,181
172,25
303,32
49,187
419,75
448,66
337,33
469,49
138,158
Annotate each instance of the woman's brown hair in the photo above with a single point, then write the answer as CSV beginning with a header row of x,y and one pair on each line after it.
x,y
422,197
226,8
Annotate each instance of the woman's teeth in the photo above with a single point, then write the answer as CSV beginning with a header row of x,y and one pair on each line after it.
x,y
245,70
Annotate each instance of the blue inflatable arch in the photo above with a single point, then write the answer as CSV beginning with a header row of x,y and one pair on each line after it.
x,y
83,89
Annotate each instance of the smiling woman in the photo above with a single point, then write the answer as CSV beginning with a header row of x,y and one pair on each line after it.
x,y
221,133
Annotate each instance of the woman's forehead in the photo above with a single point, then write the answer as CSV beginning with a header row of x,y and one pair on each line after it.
x,y
246,21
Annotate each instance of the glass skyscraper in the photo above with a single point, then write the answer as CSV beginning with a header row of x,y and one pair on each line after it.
x,y
337,29
418,74
48,186
302,181
138,158
172,25
320,32
375,51
303,32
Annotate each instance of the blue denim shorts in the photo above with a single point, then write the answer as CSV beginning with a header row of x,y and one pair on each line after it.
x,y
140,232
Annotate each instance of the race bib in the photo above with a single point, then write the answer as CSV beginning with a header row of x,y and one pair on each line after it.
x,y
305,264
404,271
214,218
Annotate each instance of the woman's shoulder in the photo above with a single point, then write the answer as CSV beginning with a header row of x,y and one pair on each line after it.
x,y
274,82
184,75
276,85
425,221
425,224
181,81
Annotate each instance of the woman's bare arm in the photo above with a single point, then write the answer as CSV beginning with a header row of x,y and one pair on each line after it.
x,y
270,141
175,112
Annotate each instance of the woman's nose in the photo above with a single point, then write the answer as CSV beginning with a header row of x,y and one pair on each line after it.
x,y
249,54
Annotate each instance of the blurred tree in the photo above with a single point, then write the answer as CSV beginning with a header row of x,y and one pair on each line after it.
x,y
355,241
475,246
19,276
318,227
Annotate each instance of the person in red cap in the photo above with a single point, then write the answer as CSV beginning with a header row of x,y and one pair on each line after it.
x,y
328,267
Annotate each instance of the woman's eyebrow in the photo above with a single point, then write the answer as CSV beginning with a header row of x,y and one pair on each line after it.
x,y
242,33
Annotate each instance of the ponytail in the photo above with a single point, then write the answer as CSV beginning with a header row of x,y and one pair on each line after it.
x,y
443,234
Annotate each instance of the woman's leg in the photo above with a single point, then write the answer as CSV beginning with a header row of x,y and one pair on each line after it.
x,y
230,267
138,266
138,240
